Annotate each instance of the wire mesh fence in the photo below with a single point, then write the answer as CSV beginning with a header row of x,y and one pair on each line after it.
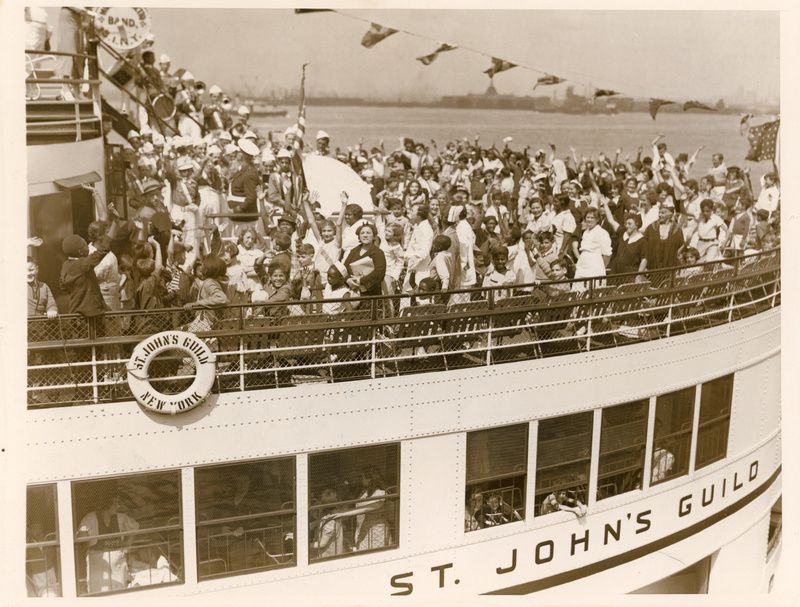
x,y
76,360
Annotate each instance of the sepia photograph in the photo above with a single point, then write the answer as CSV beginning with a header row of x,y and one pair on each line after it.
x,y
366,305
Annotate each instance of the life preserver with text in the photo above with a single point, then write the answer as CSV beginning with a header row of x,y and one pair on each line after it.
x,y
144,353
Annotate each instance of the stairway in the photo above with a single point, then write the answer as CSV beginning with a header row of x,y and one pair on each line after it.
x,y
58,121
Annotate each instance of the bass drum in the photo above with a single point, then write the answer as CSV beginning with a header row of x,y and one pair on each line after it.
x,y
164,107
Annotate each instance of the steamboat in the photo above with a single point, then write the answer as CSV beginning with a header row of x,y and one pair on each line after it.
x,y
624,438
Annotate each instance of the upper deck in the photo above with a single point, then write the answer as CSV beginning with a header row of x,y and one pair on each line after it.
x,y
75,360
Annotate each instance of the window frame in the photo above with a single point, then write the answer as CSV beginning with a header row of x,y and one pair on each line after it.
x,y
690,432
645,404
523,475
54,544
180,574
588,459
394,496
292,512
716,421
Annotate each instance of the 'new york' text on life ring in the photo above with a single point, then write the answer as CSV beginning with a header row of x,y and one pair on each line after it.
x,y
144,353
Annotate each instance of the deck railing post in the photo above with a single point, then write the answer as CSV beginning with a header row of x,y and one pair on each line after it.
x,y
490,327
241,349
372,335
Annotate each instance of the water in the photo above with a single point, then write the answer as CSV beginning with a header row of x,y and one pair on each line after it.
x,y
588,134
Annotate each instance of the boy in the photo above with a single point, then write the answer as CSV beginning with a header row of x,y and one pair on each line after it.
x,y
499,274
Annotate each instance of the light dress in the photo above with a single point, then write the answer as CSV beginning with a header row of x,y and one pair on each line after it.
x,y
594,245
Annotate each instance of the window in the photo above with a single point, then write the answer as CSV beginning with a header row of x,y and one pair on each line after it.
x,y
42,568
497,462
775,526
672,435
715,415
128,532
353,501
563,455
245,517
623,435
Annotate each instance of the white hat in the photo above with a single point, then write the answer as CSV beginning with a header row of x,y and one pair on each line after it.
x,y
214,90
243,110
248,147
184,162
267,156
133,135
164,59
230,149
368,173
284,153
225,136
322,135
362,159
249,135
187,76
508,139
226,105
213,150
148,148
454,214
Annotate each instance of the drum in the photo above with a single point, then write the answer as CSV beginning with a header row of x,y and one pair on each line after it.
x,y
164,107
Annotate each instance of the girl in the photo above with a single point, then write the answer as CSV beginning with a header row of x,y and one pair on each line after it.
x,y
276,289
372,527
442,262
595,249
238,283
629,256
248,252
709,233
392,248
336,288
210,296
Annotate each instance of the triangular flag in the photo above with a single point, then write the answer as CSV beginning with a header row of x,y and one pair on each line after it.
x,y
548,79
744,123
428,59
604,93
763,141
696,105
498,65
375,34
655,104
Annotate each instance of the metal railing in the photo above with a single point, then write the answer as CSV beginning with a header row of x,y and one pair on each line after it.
x,y
72,90
77,360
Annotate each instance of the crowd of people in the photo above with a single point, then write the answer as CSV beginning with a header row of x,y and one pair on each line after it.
x,y
215,217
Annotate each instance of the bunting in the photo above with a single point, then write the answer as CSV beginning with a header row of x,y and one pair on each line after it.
x,y
498,65
375,34
443,48
547,80
744,123
303,11
696,105
604,93
657,103
763,141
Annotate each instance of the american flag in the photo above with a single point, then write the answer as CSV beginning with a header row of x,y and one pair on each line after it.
x,y
763,141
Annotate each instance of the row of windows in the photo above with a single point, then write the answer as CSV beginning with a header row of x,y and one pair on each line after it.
x,y
128,531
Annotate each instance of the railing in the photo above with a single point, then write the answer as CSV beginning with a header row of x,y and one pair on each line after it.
x,y
75,360
62,108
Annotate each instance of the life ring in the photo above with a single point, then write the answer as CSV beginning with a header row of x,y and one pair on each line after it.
x,y
144,353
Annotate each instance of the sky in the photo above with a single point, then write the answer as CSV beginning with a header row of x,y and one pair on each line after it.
x,y
679,55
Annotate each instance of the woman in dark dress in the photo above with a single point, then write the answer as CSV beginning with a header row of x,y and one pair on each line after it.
x,y
366,263
629,253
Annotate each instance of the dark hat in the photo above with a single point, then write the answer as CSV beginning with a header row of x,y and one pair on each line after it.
x,y
287,219
74,246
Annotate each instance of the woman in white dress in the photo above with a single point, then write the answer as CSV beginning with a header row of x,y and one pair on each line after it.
x,y
372,527
106,557
710,233
595,250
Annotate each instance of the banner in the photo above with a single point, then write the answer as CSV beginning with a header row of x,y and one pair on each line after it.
x,y
547,80
443,48
375,34
657,103
696,105
498,65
